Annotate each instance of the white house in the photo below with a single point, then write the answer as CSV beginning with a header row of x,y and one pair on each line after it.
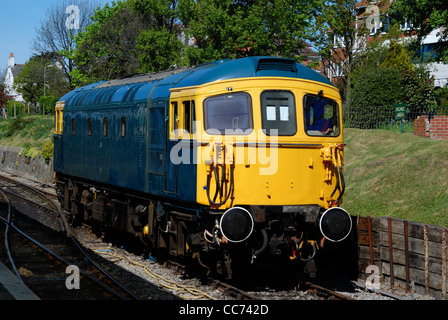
x,y
12,72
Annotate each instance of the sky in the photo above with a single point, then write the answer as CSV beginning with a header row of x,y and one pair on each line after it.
x,y
18,22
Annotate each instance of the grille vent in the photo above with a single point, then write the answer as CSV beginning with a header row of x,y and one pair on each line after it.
x,y
277,64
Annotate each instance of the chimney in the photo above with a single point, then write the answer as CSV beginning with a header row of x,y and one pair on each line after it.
x,y
11,61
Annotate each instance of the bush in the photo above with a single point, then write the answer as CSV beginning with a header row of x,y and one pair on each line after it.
x,y
47,150
417,91
374,88
441,96
49,102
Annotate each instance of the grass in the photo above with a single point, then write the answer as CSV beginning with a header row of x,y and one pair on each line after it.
x,y
34,133
398,175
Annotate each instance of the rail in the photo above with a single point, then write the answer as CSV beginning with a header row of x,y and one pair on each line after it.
x,y
127,294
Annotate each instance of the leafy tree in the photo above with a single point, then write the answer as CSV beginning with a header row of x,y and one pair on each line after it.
x,y
232,29
158,46
106,49
40,77
158,50
338,36
425,16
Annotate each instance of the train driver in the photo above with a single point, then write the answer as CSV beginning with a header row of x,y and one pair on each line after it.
x,y
317,111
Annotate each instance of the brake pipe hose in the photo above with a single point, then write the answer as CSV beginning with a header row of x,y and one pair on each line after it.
x,y
231,186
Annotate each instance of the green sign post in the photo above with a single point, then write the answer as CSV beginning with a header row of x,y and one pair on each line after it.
x,y
400,114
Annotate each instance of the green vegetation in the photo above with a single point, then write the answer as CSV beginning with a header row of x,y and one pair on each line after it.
x,y
398,175
32,133
131,36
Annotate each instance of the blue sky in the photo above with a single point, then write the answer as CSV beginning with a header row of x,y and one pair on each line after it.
x,y
18,21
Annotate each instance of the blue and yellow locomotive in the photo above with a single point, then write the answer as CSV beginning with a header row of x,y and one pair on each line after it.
x,y
198,161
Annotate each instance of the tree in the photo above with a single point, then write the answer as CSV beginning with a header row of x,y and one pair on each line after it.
x,y
340,36
233,29
425,16
158,46
54,36
143,35
397,58
158,49
106,49
41,77
4,98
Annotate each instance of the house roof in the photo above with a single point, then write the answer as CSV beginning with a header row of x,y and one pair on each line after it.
x,y
17,69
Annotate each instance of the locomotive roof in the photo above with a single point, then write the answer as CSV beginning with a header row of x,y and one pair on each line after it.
x,y
139,87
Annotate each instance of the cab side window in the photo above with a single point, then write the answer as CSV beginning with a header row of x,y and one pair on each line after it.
x,y
189,116
321,115
182,116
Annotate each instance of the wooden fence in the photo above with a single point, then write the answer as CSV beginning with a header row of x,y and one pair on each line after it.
x,y
418,253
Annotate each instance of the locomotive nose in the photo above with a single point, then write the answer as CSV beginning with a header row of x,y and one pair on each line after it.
x,y
335,224
236,224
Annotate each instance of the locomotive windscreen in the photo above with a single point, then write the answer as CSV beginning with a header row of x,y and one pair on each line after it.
x,y
228,113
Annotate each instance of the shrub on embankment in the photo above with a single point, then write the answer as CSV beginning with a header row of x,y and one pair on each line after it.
x,y
33,133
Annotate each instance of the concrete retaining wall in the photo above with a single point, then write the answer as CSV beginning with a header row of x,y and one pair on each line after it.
x,y
13,161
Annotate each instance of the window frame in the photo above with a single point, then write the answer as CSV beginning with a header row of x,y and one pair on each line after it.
x,y
123,127
73,126
105,127
213,131
188,124
89,126
292,117
335,113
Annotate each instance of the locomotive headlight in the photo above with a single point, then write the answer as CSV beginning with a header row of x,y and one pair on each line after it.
x,y
335,224
236,224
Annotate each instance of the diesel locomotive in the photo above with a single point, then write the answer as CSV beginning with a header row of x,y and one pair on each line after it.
x,y
230,160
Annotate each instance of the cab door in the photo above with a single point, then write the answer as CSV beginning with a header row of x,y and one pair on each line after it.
x,y
156,148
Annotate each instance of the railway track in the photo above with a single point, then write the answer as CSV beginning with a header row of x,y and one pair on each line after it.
x,y
29,253
44,255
